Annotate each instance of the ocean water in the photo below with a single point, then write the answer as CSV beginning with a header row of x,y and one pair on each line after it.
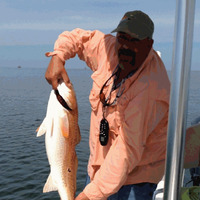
x,y
24,167
24,95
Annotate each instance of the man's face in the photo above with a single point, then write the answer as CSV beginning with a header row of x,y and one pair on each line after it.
x,y
128,49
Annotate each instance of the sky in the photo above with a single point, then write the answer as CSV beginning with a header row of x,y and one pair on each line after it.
x,y
29,28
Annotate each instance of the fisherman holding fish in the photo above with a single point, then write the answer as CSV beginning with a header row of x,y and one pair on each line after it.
x,y
129,106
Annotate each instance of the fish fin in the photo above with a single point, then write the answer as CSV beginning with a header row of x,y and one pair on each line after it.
x,y
64,126
41,130
49,185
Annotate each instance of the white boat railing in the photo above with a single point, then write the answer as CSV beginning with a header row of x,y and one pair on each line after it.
x,y
181,64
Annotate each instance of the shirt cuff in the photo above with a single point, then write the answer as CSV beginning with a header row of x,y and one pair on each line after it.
x,y
58,53
93,192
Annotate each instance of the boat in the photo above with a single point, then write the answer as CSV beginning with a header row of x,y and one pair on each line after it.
x,y
171,186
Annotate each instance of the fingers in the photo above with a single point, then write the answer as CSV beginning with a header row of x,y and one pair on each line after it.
x,y
65,78
56,72
54,84
58,78
51,78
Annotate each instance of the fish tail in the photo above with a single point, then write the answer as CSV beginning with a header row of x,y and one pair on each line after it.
x,y
49,185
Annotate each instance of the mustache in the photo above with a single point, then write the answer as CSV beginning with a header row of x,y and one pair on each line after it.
x,y
126,52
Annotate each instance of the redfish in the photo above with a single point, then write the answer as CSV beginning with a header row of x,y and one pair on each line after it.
x,y
62,136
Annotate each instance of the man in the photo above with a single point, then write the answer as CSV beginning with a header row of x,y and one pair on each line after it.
x,y
129,101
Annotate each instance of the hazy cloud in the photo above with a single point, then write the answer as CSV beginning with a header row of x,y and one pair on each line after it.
x,y
36,16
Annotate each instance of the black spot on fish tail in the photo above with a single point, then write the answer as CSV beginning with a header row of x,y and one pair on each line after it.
x,y
61,100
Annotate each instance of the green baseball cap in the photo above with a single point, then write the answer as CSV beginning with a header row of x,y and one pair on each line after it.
x,y
137,24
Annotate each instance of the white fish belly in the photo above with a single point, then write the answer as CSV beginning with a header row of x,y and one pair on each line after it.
x,y
56,148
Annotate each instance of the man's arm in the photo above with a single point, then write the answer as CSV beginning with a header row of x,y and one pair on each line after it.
x,y
56,72
79,42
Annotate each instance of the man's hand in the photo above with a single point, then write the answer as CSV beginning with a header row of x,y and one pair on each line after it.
x,y
81,196
56,72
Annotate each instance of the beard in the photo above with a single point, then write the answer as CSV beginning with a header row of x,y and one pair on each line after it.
x,y
126,56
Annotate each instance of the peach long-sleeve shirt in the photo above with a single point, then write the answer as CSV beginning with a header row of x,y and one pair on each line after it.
x,y
136,148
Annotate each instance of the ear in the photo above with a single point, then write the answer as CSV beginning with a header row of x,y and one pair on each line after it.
x,y
150,43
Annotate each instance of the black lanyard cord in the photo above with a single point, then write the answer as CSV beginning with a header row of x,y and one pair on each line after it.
x,y
119,93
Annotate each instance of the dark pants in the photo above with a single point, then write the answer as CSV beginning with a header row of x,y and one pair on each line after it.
x,y
140,191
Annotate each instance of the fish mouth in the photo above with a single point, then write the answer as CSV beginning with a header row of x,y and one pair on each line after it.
x,y
61,100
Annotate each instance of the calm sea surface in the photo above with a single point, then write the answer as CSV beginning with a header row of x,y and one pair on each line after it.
x,y
24,95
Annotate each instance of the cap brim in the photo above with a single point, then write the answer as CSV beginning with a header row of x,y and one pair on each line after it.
x,y
118,29
115,30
